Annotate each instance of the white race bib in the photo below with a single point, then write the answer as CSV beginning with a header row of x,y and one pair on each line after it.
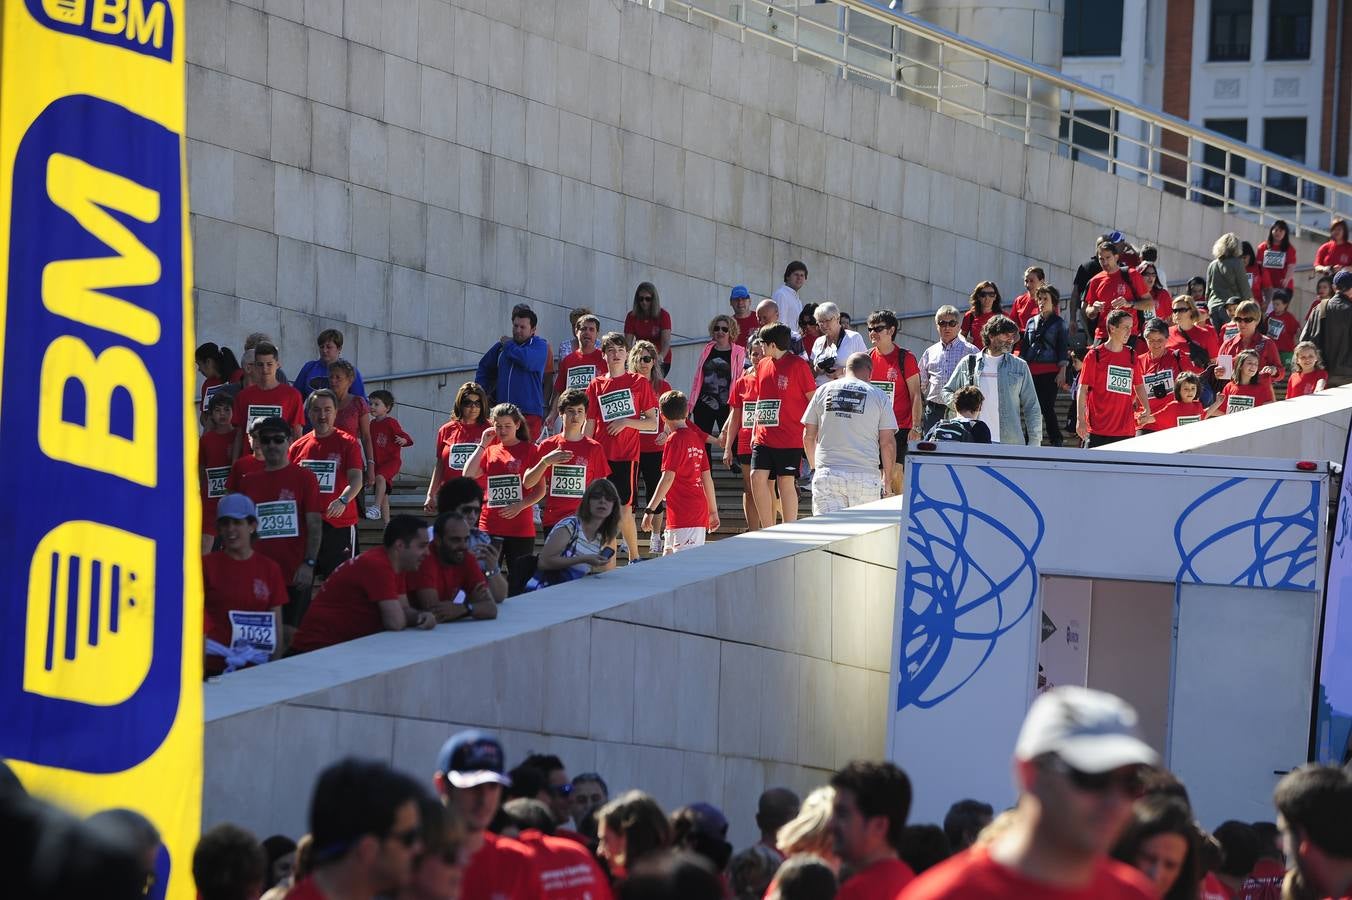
x,y
617,405
1235,403
567,481
887,387
579,377
503,491
1119,379
458,455
253,629
1188,420
1274,259
256,412
278,519
1275,328
749,414
326,470
216,476
211,392
767,413
1164,377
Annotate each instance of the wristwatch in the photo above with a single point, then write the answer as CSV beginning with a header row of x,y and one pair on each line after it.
x,y
311,562
469,609
494,573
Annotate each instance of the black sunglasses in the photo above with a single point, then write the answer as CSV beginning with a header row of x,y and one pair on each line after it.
x,y
1182,309
648,359
985,293
948,323
1245,319
271,439
877,328
1129,780
469,402
644,298
408,838
722,329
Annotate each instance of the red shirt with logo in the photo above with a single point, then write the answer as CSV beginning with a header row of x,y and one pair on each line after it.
x,y
1237,397
622,447
255,403
881,881
447,580
649,329
1277,268
388,440
567,870
1264,882
1334,255
1203,336
455,442
742,400
1283,328
238,469
746,326
1175,413
330,458
588,366
504,470
1304,383
1111,378
972,323
782,388
346,607
284,498
564,482
1163,370
501,868
213,460
1024,308
684,455
973,875
647,440
1104,288
890,373
243,585
1267,356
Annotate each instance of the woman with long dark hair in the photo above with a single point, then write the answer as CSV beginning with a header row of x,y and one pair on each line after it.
x,y
985,302
502,456
1162,842
457,438
648,321
1277,260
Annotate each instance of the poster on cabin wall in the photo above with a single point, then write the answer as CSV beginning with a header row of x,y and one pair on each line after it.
x,y
1063,653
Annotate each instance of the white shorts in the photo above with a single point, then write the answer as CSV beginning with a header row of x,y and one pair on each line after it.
x,y
674,540
832,492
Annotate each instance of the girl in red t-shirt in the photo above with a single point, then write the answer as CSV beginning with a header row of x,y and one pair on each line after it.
x,y
1309,374
1277,259
648,321
503,455
986,302
1244,391
456,439
1323,290
643,360
1336,252
1185,408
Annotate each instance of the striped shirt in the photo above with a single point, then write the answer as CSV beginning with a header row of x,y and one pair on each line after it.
x,y
937,364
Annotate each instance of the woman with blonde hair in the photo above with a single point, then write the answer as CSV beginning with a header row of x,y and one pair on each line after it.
x,y
810,831
1226,277
720,363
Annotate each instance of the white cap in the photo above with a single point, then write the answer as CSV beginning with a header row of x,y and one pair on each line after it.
x,y
1090,730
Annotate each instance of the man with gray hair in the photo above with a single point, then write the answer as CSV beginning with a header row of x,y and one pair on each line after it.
x,y
1011,409
848,427
938,362
767,313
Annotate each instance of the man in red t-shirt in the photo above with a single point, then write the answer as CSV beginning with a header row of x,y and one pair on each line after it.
x,y
569,461
566,867
470,779
578,369
287,498
213,462
1078,763
745,316
1109,384
784,385
335,457
620,405
265,397
242,593
1312,815
449,582
1109,291
686,484
897,374
868,818
368,594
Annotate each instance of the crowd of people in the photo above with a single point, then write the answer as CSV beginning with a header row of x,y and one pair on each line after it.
x,y
1095,818
555,459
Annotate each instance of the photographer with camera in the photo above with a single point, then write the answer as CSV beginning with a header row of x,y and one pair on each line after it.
x,y
835,344
1046,349
1160,367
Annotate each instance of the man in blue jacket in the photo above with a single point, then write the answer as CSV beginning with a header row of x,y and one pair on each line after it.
x,y
513,369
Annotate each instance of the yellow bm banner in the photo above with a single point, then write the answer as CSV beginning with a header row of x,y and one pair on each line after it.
x,y
100,624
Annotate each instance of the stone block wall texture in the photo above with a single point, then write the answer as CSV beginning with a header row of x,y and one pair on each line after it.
x,y
408,170
751,664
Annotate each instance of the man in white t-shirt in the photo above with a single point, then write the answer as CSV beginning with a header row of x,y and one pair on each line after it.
x,y
786,295
849,427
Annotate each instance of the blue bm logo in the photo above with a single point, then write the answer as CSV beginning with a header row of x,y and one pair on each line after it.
x,y
94,329
146,26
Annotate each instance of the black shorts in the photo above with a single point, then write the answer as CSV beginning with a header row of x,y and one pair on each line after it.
x,y
623,475
778,461
336,547
650,473
744,459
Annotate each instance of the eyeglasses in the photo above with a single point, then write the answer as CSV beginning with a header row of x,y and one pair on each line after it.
x,y
1127,780
1185,309
468,402
948,323
877,328
648,359
722,329
985,293
1245,319
271,439
808,323
408,838
645,298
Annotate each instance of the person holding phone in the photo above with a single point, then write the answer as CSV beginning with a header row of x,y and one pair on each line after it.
x,y
581,544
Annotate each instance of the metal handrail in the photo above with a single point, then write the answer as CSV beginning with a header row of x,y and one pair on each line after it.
x,y
941,73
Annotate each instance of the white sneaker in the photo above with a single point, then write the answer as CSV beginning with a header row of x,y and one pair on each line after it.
x,y
538,519
373,513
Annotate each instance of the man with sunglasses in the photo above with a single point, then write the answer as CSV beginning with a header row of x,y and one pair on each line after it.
x,y
938,362
290,513
1079,764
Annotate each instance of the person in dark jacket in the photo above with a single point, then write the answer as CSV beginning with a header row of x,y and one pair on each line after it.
x,y
1330,329
1046,349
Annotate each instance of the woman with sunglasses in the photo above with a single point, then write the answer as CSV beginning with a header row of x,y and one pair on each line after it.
x,y
720,363
502,456
456,439
737,440
809,329
643,361
985,302
1270,368
1164,303
648,321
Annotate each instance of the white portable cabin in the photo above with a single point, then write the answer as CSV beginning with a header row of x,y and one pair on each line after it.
x,y
1192,586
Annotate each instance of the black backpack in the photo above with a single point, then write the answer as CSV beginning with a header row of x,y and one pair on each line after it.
x,y
953,430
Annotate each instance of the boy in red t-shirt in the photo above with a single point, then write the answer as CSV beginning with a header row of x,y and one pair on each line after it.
x,y
1109,381
388,440
1282,326
784,385
621,405
1116,287
266,397
569,461
213,461
687,485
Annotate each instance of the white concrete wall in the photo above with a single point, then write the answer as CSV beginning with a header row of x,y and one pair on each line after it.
x,y
757,661
407,170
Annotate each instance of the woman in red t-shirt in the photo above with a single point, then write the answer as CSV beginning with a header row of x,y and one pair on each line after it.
x,y
1245,391
238,579
985,302
1336,252
456,439
736,437
1164,303
1270,367
1309,374
503,455
643,361
1277,260
1161,841
648,321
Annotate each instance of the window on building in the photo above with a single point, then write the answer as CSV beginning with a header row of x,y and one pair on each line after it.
x,y
1090,137
1092,28
1284,137
1215,180
1289,23
1231,26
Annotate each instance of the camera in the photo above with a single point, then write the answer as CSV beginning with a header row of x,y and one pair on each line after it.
x,y
1159,391
826,363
